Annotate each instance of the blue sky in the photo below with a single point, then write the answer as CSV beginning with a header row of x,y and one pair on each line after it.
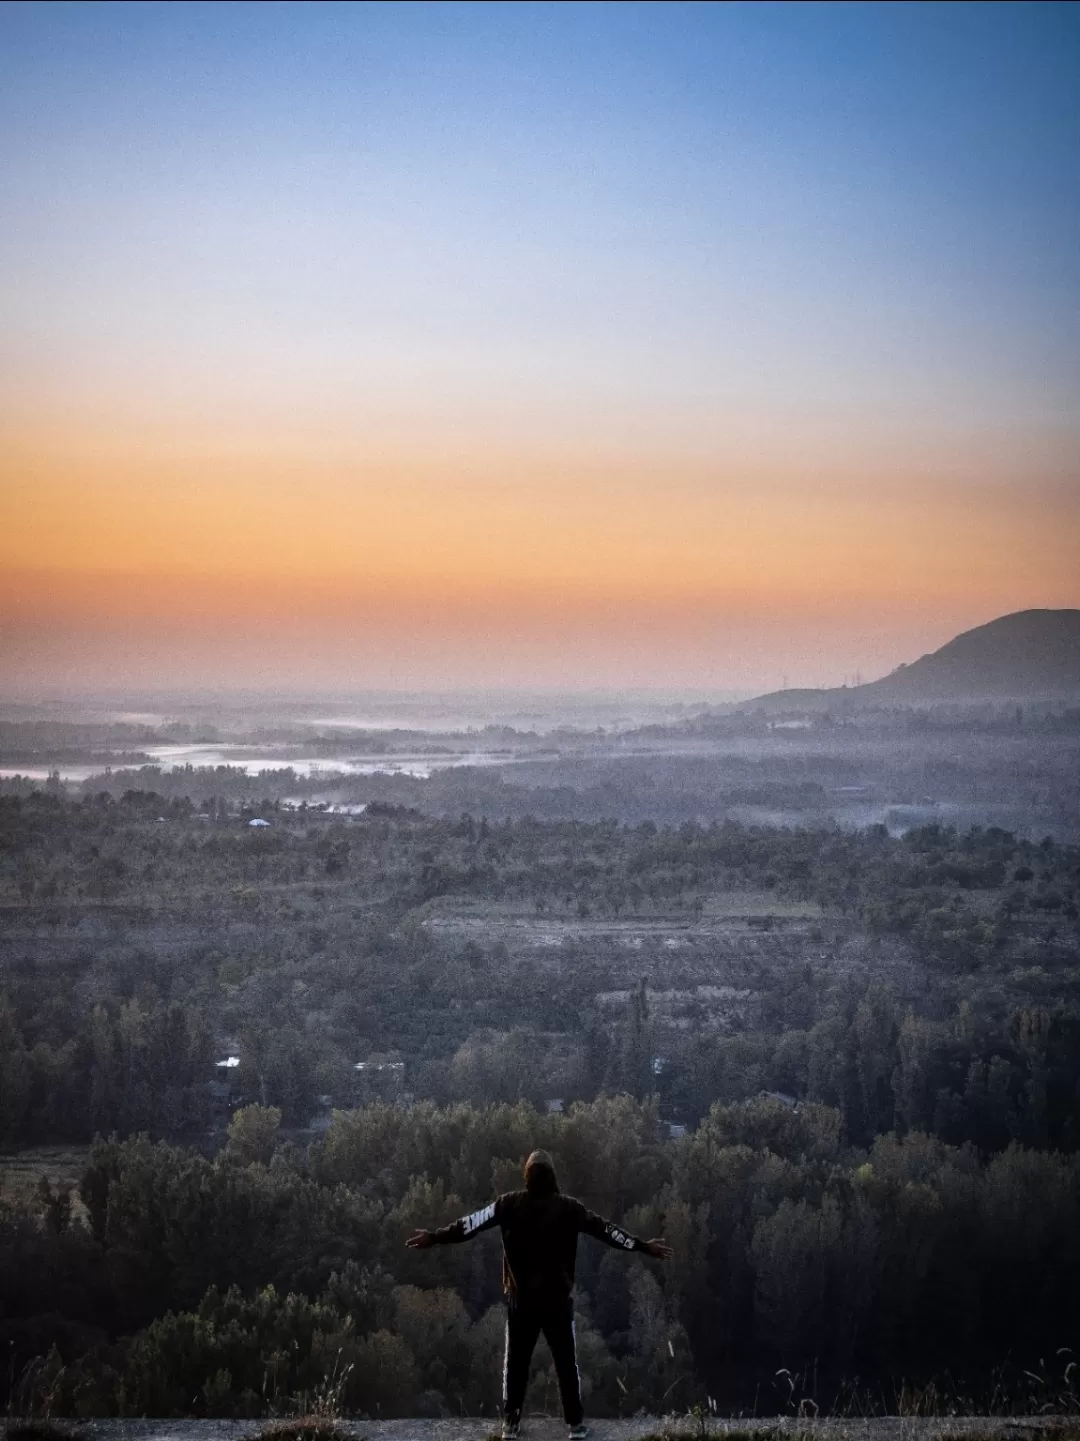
x,y
841,239
893,184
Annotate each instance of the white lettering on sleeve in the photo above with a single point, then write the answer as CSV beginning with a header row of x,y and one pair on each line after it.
x,y
477,1219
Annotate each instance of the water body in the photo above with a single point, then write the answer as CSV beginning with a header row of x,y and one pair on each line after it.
x,y
42,773
252,760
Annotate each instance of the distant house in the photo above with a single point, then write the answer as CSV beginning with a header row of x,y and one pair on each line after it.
x,y
258,823
791,1102
222,1092
555,1107
379,1079
675,1129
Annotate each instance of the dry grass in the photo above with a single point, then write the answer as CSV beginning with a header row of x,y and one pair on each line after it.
x,y
35,1430
304,1428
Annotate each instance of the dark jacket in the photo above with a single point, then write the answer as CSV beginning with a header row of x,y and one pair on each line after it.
x,y
539,1235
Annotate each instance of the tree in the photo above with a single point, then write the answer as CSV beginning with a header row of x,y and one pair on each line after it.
x,y
15,1075
253,1133
385,1381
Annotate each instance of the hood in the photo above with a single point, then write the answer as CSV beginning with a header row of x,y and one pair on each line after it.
x,y
540,1175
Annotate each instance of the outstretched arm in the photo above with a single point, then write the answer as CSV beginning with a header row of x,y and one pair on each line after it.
x,y
617,1236
459,1230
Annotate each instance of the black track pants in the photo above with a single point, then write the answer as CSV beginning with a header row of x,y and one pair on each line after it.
x,y
523,1327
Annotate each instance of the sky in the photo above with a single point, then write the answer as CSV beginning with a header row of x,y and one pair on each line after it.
x,y
438,345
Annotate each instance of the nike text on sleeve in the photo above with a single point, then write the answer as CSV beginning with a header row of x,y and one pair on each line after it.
x,y
466,1226
478,1220
539,1241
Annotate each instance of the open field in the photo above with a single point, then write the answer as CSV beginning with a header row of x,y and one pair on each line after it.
x,y
21,1172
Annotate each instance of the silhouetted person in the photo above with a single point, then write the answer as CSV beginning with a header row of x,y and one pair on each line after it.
x,y
539,1229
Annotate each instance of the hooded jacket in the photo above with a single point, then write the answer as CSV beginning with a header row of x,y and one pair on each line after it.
x,y
540,1227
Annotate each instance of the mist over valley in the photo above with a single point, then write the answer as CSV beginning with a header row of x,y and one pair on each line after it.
x,y
539,721
353,955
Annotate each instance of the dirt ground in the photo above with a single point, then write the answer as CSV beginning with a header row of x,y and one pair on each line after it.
x,y
889,1428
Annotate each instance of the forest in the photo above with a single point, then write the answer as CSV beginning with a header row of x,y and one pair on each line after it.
x,y
539,611
838,1069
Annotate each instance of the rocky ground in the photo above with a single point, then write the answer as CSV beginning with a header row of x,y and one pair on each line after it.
x,y
886,1428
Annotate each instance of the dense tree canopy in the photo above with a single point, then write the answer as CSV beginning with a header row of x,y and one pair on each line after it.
x,y
839,1070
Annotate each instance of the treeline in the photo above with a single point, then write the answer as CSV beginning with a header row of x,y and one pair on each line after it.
x,y
123,1067
146,846
177,1284
938,990
1027,782
131,1068
964,1078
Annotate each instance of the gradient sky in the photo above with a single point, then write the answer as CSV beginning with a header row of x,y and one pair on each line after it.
x,y
543,345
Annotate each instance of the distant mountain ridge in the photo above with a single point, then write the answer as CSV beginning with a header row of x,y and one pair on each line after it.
x,y
1028,655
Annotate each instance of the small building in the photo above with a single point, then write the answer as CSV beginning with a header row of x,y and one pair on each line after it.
x,y
555,1107
223,1095
791,1102
258,823
379,1079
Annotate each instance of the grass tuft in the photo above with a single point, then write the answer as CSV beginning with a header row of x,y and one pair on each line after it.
x,y
305,1428
33,1429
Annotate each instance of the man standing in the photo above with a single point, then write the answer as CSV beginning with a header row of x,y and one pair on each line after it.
x,y
539,1229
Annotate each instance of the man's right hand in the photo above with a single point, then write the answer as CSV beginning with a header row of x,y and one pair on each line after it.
x,y
659,1248
421,1240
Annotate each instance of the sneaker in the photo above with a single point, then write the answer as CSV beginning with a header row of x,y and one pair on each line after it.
x,y
511,1430
579,1432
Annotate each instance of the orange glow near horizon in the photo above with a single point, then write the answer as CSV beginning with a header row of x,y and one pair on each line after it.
x,y
404,564
539,346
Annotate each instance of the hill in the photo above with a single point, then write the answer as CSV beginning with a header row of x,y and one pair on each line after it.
x,y
1032,653
1029,655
